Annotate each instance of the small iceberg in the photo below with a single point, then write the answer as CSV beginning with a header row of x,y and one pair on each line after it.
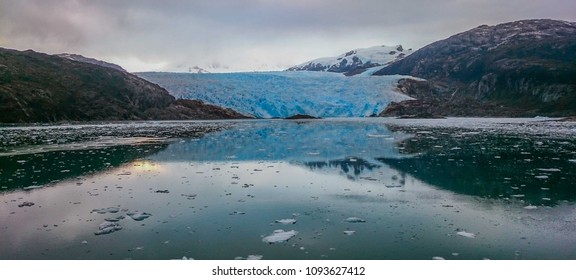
x,y
349,232
286,221
354,220
138,215
466,234
108,227
438,258
279,236
531,207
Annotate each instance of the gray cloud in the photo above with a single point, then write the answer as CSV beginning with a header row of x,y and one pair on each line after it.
x,y
246,34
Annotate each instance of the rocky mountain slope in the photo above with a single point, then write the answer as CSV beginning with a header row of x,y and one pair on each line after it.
x,y
36,87
355,61
522,68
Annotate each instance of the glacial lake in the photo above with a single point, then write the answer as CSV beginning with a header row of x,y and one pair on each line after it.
x,y
377,188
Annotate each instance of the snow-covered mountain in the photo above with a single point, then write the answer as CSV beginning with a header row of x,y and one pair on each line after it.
x,y
355,61
284,94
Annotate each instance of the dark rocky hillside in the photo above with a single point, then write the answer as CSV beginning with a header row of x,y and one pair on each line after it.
x,y
36,87
522,68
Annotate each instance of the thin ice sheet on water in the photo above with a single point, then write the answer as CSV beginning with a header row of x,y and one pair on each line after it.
x,y
279,236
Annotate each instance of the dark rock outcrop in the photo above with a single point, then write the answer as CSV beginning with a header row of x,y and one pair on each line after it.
x,y
522,68
36,87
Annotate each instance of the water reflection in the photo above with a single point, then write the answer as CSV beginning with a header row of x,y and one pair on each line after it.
x,y
35,170
301,141
350,189
535,170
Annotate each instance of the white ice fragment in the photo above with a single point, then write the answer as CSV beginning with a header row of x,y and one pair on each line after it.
x,y
438,258
541,177
517,195
279,236
354,220
349,232
531,207
254,257
286,221
549,169
466,234
572,160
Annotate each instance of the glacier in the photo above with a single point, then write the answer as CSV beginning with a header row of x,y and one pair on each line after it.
x,y
285,93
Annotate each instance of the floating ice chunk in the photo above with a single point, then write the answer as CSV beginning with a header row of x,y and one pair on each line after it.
x,y
549,169
138,215
438,258
518,195
108,227
254,257
466,234
531,207
286,221
541,177
279,236
572,160
33,187
354,220
349,232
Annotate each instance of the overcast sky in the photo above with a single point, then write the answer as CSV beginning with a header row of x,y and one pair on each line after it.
x,y
246,35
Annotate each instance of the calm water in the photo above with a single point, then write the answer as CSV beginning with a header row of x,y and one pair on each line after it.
x,y
322,189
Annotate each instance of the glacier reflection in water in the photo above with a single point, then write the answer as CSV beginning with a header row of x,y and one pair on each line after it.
x,y
320,189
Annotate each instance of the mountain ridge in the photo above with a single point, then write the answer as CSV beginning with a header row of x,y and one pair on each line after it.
x,y
526,68
37,87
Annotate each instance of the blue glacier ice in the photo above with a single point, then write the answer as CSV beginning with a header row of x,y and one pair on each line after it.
x,y
287,93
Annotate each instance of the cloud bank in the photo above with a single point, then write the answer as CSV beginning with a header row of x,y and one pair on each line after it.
x,y
246,35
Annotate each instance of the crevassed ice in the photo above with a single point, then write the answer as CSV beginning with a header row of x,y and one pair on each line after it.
x,y
284,94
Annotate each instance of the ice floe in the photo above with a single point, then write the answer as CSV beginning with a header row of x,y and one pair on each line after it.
x,y
531,207
279,236
349,232
550,169
286,221
138,215
108,227
354,220
466,234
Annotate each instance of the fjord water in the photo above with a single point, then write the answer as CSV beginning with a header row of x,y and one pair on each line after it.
x,y
275,189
